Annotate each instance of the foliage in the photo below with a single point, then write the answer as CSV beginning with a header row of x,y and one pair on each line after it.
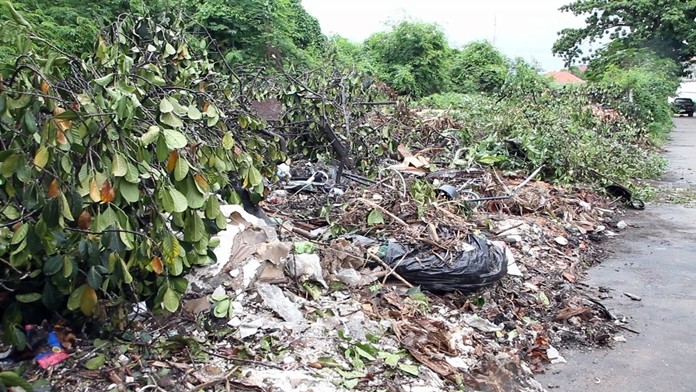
x,y
12,379
250,30
478,67
109,166
71,25
411,58
557,128
666,26
259,31
648,86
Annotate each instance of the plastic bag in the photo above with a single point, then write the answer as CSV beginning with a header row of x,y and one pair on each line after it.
x,y
477,263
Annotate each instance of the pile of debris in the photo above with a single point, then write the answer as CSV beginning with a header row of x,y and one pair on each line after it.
x,y
425,277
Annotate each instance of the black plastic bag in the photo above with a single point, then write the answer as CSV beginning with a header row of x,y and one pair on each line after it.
x,y
476,266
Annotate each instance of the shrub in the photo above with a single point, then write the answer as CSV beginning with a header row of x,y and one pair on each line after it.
x,y
109,166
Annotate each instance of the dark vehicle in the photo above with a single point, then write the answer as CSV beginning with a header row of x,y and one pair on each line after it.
x,y
684,106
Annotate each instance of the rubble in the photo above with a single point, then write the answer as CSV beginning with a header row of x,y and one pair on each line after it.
x,y
424,277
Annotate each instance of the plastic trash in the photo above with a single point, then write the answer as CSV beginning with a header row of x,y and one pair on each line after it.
x,y
478,264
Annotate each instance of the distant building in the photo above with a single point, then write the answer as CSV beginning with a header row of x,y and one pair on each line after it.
x,y
563,77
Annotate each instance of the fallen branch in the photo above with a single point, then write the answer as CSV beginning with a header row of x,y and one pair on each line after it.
x,y
385,265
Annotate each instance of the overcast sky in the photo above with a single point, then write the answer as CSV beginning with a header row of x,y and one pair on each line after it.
x,y
517,27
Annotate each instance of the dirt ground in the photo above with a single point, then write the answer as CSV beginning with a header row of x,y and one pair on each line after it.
x,y
656,261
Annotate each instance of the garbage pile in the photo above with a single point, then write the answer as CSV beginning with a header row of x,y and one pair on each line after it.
x,y
430,275
423,278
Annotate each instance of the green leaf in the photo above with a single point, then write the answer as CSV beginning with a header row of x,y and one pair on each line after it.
x,y
20,234
170,300
221,309
127,277
169,49
174,139
41,157
129,191
170,248
53,265
375,218
219,294
172,120
52,212
75,297
104,80
390,359
409,369
227,141
12,379
173,200
165,106
194,113
328,362
28,298
151,135
195,228
254,176
96,363
181,169
30,122
9,165
119,166
94,278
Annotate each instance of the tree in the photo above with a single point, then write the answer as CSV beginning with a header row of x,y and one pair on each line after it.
x,y
478,67
259,31
666,26
412,58
71,25
110,166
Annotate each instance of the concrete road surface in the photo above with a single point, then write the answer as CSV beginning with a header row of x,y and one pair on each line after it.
x,y
656,260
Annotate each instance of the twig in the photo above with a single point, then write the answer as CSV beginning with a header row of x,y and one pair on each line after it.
x,y
385,265
109,231
248,361
384,210
628,329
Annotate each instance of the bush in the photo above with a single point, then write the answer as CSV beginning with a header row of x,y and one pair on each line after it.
x,y
412,58
555,128
109,169
478,67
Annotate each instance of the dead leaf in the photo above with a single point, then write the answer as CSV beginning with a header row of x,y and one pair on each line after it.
x,y
53,189
107,193
61,138
44,87
157,266
582,311
196,306
570,278
94,191
171,161
84,221
202,182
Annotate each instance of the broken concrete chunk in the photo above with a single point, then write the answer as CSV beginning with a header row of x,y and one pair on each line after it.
x,y
306,267
349,276
481,324
275,300
561,241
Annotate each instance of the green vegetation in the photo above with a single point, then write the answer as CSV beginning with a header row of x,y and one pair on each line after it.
x,y
478,67
120,133
667,27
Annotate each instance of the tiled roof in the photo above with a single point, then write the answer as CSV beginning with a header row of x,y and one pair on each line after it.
x,y
564,77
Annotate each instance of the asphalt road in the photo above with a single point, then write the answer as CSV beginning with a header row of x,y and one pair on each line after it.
x,y
656,260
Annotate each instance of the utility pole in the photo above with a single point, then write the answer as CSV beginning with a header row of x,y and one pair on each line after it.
x,y
495,26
